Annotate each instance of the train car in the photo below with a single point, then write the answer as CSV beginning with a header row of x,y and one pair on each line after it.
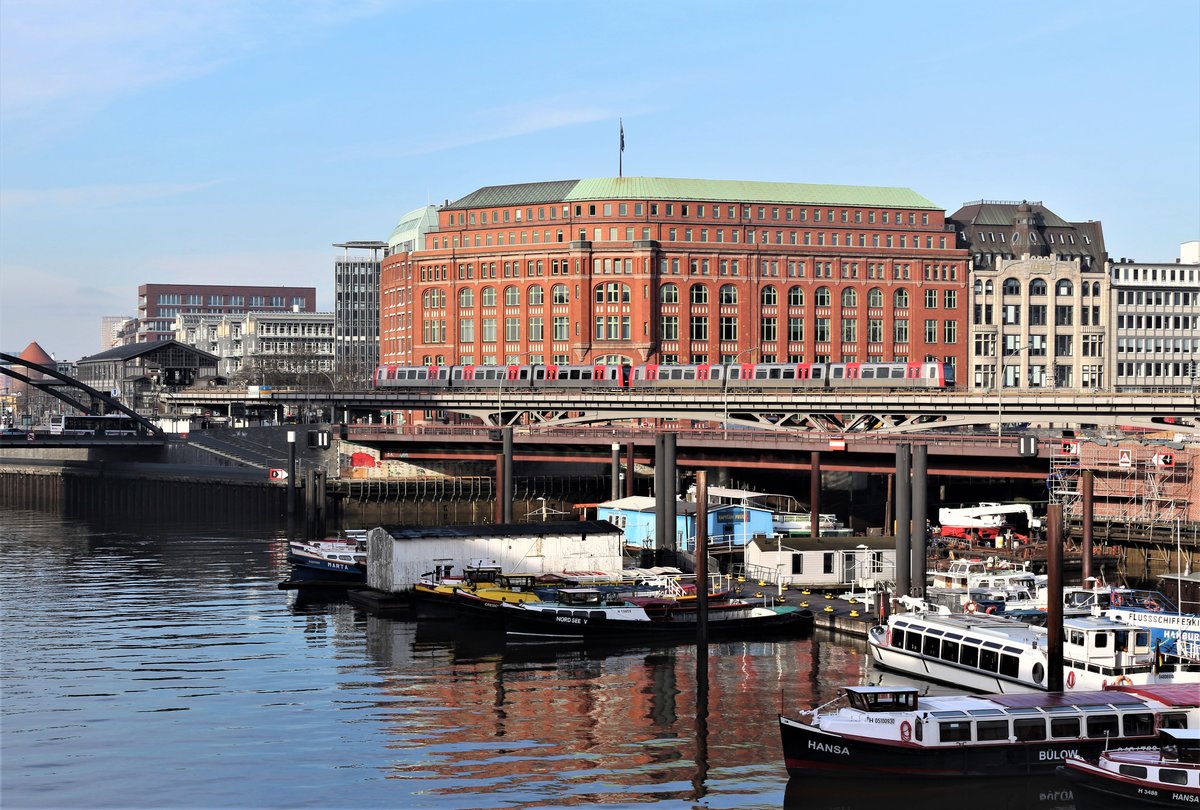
x,y
777,376
474,377
412,376
599,375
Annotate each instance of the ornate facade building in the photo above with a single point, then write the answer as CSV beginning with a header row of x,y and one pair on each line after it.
x,y
1039,297
638,269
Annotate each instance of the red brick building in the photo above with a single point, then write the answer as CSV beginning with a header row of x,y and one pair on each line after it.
x,y
671,270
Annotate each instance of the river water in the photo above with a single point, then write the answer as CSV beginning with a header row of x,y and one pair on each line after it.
x,y
162,667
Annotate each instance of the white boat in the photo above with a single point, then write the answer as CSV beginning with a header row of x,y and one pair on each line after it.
x,y
334,560
989,653
798,523
1172,632
1165,776
893,731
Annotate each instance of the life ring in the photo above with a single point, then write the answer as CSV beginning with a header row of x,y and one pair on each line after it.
x,y
1071,680
1152,605
970,607
906,731
990,609
1123,681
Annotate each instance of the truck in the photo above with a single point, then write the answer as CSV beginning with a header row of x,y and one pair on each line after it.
x,y
988,521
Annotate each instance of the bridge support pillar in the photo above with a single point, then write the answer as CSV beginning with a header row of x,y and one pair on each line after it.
x,y
508,473
814,493
1054,597
660,488
615,489
629,463
903,526
498,516
920,505
671,481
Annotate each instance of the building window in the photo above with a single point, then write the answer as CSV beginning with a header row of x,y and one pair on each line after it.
x,y
729,327
699,294
669,294
670,327
699,328
900,299
559,294
770,297
822,298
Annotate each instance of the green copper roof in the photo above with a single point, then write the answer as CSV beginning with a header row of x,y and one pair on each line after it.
x,y
671,188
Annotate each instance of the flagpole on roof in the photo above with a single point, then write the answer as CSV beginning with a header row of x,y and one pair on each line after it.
x,y
621,153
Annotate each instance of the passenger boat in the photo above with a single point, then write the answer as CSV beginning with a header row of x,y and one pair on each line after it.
x,y
886,730
589,613
1172,631
333,560
1166,776
989,653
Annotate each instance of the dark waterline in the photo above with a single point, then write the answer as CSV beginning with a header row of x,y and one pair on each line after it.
x,y
163,668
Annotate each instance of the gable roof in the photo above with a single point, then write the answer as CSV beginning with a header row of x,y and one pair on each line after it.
x,y
133,350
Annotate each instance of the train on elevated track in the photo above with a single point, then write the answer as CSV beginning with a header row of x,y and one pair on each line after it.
x,y
694,376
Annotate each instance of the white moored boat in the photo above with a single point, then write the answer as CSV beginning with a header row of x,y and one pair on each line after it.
x,y
1166,776
996,654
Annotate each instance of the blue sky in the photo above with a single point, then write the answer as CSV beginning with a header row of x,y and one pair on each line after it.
x,y
166,140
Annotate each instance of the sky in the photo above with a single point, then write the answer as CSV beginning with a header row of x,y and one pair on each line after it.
x,y
235,141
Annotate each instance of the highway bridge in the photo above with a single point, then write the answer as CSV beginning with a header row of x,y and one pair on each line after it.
x,y
844,412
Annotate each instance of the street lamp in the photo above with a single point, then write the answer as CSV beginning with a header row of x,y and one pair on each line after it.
x,y
725,375
1000,388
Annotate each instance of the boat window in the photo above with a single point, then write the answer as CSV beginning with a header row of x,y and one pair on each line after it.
x,y
1172,776
991,730
989,660
1136,771
596,614
1103,725
1138,725
898,638
1027,729
913,642
1010,666
1064,727
1173,720
950,651
969,656
931,646
580,614
954,731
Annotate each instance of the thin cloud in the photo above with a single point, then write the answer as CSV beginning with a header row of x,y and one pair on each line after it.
x,y
96,196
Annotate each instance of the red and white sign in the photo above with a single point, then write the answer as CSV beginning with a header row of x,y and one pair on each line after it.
x,y
1070,448
837,444
278,475
1125,459
1164,459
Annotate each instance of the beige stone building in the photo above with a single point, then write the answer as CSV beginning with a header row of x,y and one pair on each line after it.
x,y
1040,302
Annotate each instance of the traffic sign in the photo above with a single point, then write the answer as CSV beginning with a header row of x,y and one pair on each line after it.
x,y
1164,459
837,444
278,475
1125,459
1070,448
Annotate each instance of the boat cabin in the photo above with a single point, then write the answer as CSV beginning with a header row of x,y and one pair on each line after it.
x,y
1181,744
882,698
581,597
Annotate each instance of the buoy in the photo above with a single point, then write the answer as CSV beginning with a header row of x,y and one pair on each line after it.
x,y
762,583
741,579
828,596
758,595
806,591
804,604
829,608
852,601
854,614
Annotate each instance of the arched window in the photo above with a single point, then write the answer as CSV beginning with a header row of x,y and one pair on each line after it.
x,y
559,294
988,289
536,295
849,297
434,299
728,294
770,296
1064,288
1037,287
821,297
669,294
512,296
900,299
1016,238
875,297
466,298
699,294
1011,286
1084,289
487,297
979,286
795,297
1095,288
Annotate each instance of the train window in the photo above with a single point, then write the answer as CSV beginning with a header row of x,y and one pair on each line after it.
x,y
1138,725
868,373
788,373
836,372
898,373
1029,729
1103,725
818,372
